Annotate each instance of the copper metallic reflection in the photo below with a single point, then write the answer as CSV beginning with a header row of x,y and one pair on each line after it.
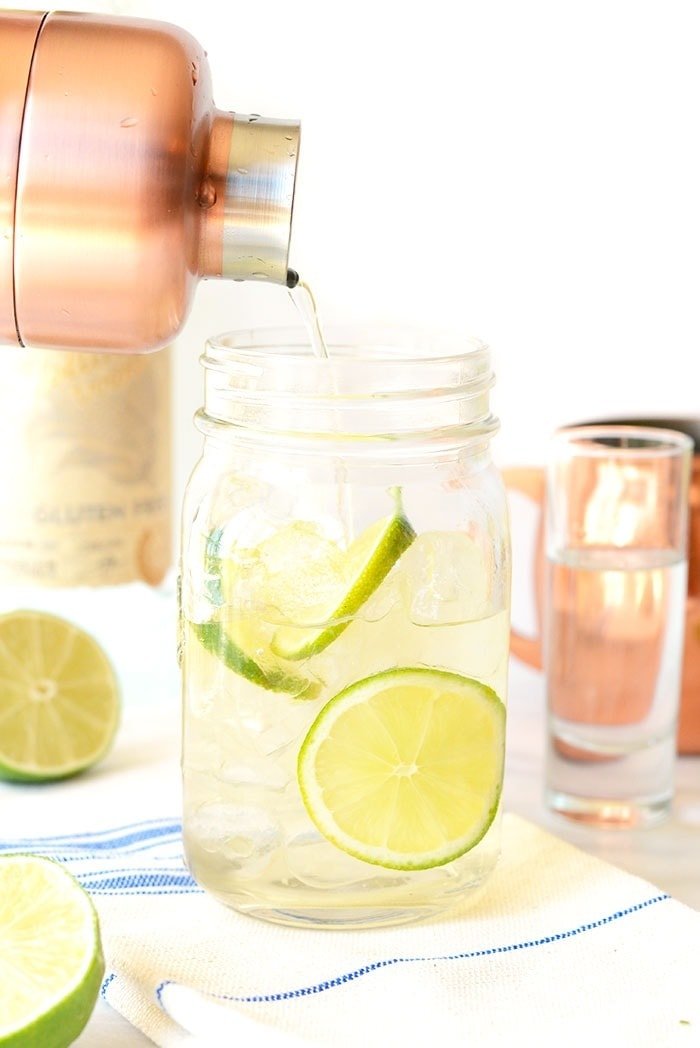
x,y
125,196
102,226
616,542
17,36
642,659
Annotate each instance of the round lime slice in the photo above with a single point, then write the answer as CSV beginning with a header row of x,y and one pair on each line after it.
x,y
404,769
337,597
51,956
59,698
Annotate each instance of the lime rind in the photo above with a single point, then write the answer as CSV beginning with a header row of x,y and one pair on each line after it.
x,y
212,567
300,575
215,639
28,643
376,551
57,1020
488,704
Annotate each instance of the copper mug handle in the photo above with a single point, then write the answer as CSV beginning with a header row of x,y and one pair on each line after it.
x,y
530,481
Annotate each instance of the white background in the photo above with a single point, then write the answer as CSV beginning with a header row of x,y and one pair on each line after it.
x,y
526,171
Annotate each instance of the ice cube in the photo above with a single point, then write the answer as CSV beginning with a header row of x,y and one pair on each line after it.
x,y
272,723
384,599
319,864
249,773
246,837
446,579
305,574
202,703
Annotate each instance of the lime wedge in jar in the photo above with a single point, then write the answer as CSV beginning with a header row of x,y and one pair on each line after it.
x,y
327,601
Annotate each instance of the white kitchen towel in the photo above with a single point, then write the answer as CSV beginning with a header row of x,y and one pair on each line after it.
x,y
558,947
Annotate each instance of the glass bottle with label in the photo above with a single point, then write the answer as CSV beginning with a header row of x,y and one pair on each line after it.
x,y
85,494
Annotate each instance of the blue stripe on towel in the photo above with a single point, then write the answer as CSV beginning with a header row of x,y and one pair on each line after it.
x,y
117,853
147,836
99,859
374,966
113,871
138,881
91,834
152,835
105,985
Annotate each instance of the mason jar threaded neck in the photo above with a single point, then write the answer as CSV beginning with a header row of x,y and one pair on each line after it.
x,y
379,387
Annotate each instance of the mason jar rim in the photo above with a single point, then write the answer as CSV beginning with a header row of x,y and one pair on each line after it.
x,y
380,383
411,342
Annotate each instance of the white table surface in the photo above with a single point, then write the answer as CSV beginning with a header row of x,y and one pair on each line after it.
x,y
668,855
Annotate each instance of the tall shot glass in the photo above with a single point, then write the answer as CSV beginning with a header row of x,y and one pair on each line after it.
x,y
616,535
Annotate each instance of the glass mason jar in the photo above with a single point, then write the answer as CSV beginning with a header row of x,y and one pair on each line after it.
x,y
344,627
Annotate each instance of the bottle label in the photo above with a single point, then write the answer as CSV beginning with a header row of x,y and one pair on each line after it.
x,y
85,467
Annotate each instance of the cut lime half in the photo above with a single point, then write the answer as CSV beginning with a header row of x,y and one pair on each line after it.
x,y
59,698
51,957
365,565
404,769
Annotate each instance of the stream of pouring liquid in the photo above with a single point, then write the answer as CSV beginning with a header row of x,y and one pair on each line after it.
x,y
305,303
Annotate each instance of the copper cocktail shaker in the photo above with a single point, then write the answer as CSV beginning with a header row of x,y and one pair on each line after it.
x,y
121,184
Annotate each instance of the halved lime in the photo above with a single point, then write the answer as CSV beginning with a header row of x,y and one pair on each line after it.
x,y
51,957
404,769
59,698
328,601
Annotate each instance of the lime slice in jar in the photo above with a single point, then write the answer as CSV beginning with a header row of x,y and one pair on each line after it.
x,y
216,638
59,698
237,633
404,769
51,954
330,593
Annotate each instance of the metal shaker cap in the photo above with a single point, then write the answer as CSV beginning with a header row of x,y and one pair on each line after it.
x,y
259,198
18,36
